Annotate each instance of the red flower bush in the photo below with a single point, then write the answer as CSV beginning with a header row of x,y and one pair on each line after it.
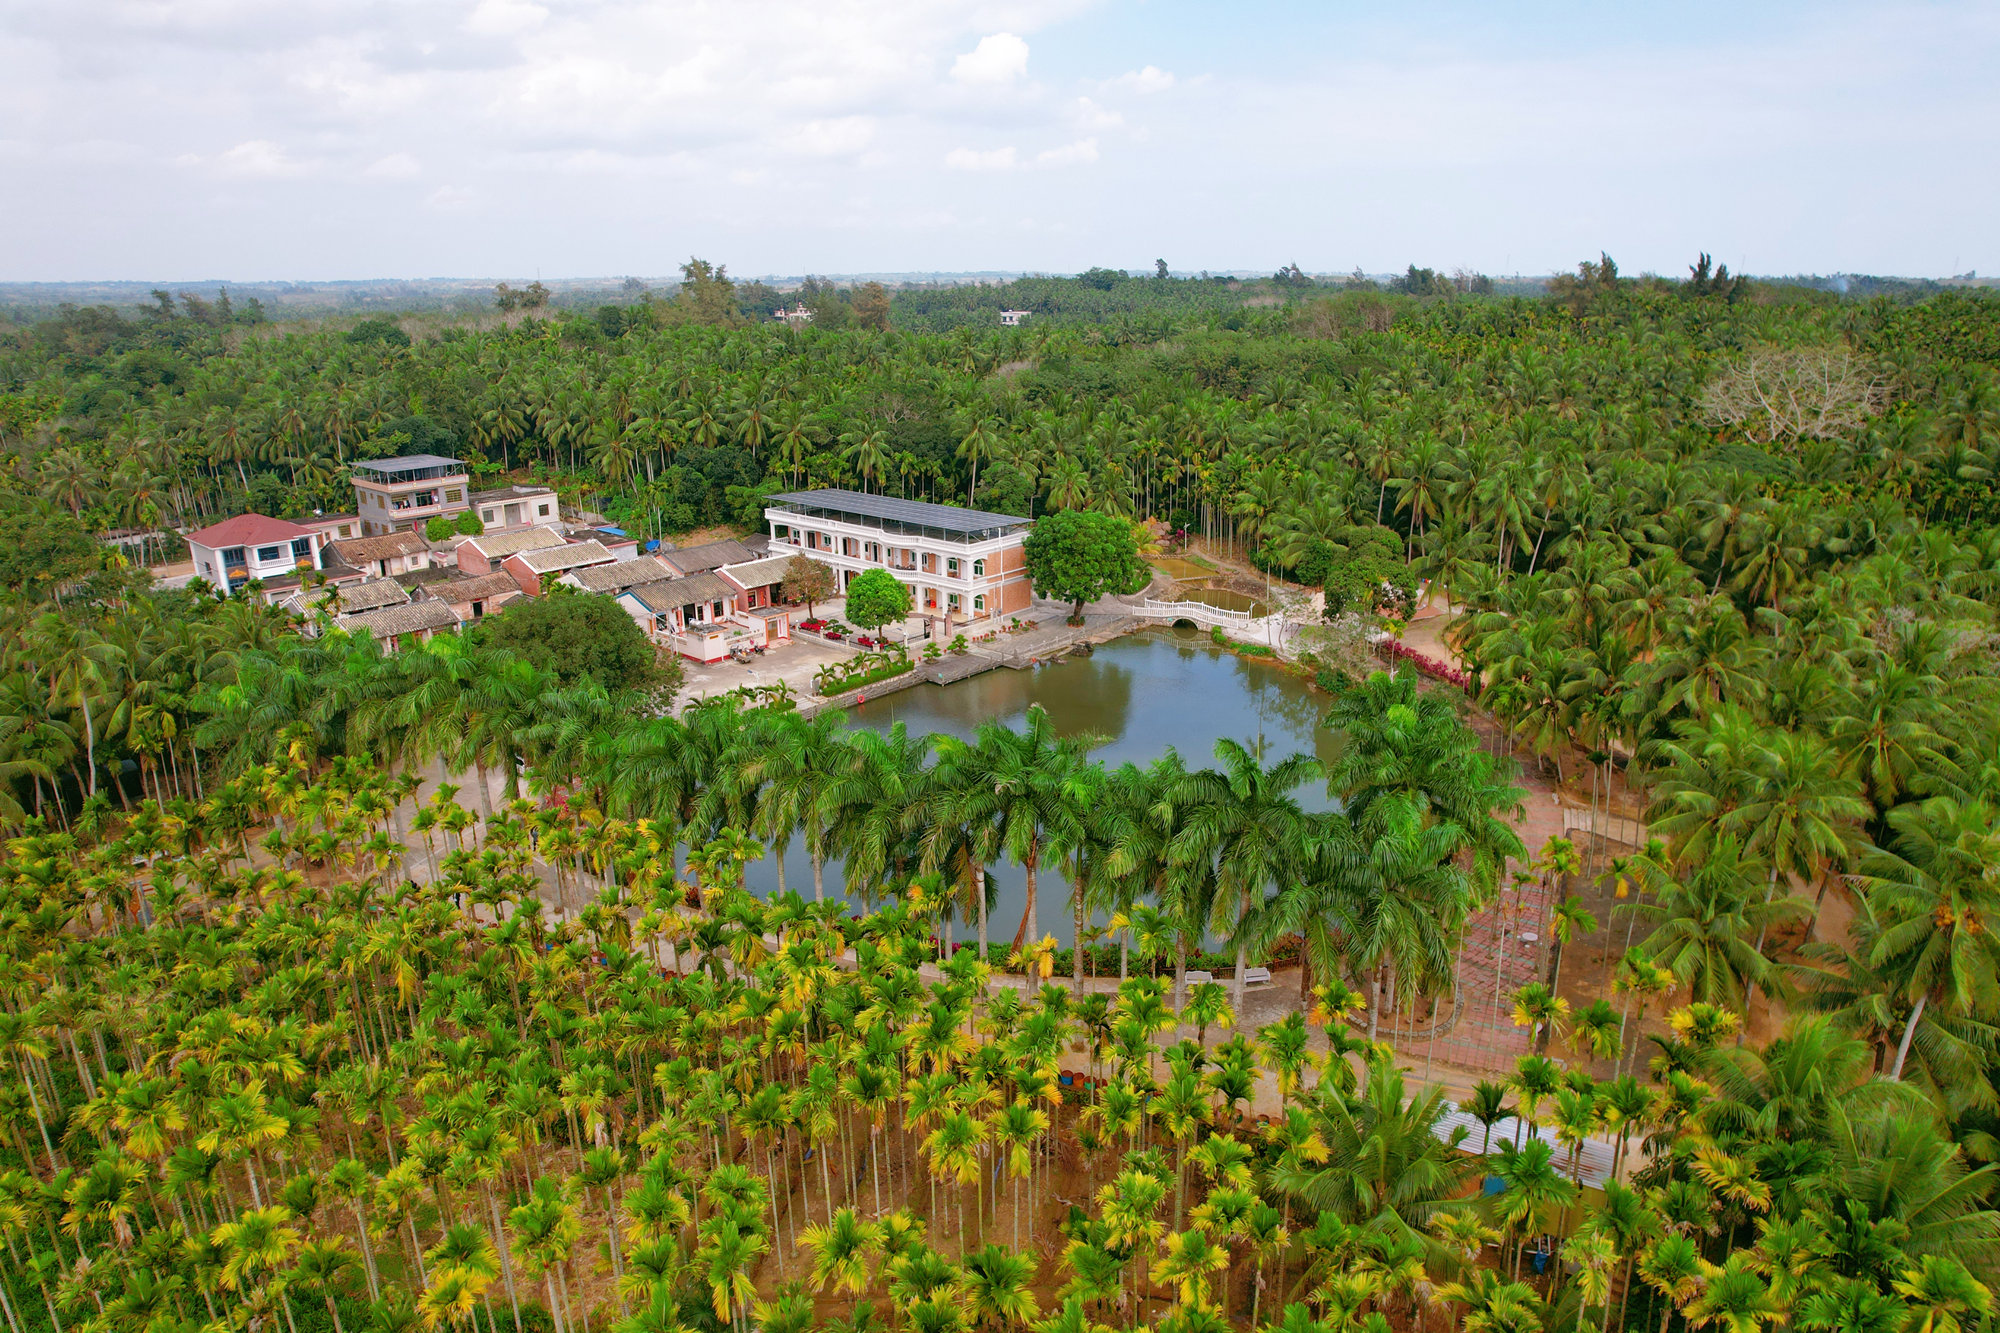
x,y
1430,666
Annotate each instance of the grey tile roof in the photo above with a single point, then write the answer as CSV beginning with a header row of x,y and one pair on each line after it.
x,y
622,574
709,555
410,618
568,556
504,544
356,550
475,589
372,595
758,573
670,593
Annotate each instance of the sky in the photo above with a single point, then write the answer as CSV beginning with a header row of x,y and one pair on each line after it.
x,y
263,140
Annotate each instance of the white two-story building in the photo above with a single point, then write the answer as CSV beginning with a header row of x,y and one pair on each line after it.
x,y
272,551
963,565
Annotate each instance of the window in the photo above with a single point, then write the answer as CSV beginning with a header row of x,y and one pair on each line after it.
x,y
232,555
979,568
542,510
979,602
486,516
454,496
717,612
346,530
951,566
302,548
951,601
267,554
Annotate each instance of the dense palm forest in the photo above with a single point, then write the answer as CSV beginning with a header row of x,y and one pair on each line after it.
x,y
358,990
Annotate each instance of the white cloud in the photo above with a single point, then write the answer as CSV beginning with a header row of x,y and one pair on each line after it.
x,y
972,159
1094,117
394,167
999,58
448,198
505,18
1151,79
838,137
1069,155
255,159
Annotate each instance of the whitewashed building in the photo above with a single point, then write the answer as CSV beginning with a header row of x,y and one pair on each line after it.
x,y
963,565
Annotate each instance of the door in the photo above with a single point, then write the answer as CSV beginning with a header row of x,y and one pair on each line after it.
x,y
513,513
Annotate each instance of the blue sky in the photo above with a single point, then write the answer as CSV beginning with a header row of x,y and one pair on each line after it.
x,y
183,139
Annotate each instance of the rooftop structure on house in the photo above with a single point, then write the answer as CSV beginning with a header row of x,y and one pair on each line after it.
x,y
231,553
962,565
508,508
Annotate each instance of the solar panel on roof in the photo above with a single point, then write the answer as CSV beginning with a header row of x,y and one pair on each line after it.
x,y
918,512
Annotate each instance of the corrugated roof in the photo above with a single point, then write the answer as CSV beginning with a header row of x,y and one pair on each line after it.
x,y
707,556
504,544
670,593
409,618
758,573
914,512
620,575
565,557
248,530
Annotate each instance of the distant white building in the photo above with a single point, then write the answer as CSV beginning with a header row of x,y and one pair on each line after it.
x,y
1011,318
796,316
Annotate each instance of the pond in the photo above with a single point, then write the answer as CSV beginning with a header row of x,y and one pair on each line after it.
x,y
1145,692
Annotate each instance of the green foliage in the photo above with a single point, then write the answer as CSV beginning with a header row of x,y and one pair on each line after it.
x,y
437,528
468,524
876,598
378,332
862,670
807,580
579,637
1077,556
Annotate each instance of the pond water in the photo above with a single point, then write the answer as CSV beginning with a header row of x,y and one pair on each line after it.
x,y
1145,692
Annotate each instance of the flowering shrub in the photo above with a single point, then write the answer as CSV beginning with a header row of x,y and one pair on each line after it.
x,y
1430,666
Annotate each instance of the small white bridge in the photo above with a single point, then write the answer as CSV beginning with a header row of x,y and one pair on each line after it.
x,y
1238,624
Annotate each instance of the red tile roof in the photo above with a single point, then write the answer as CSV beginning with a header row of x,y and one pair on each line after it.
x,y
248,530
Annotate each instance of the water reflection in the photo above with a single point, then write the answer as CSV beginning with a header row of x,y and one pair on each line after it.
x,y
1142,693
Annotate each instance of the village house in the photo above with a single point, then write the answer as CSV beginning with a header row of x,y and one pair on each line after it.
x,y
399,626
340,599
385,555
709,556
403,494
696,616
963,565
530,568
237,550
483,554
762,599
617,576
511,508
476,597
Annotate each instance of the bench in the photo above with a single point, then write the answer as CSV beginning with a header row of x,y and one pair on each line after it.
x,y
1256,976
1194,976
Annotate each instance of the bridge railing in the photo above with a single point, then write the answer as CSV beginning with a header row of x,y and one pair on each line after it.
x,y
1201,613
